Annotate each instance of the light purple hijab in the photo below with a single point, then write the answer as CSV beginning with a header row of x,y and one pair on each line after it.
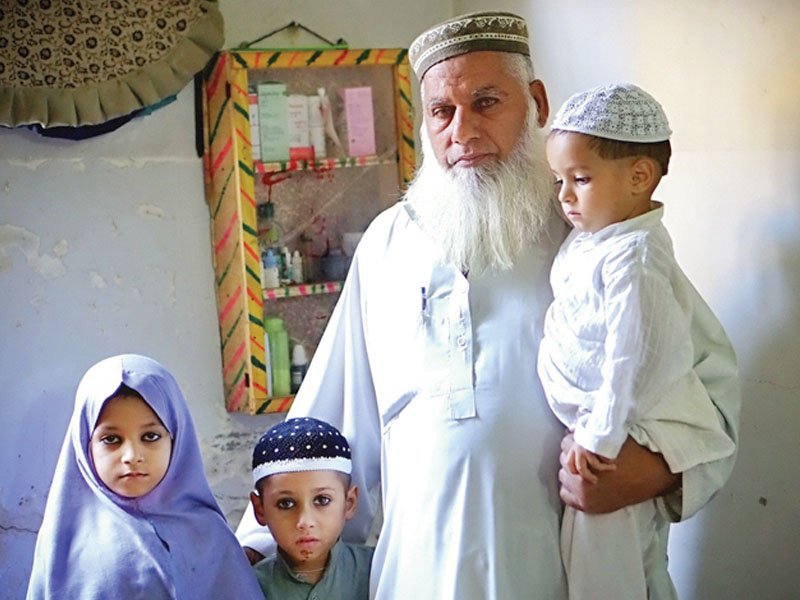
x,y
173,542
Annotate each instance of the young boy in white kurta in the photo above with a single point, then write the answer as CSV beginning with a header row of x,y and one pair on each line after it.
x,y
617,358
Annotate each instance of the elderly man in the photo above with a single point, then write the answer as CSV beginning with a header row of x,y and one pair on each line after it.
x,y
428,363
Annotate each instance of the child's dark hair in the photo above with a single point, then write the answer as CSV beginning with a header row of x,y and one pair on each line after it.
x,y
124,390
611,149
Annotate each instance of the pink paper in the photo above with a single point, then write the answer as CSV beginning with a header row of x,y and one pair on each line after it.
x,y
360,121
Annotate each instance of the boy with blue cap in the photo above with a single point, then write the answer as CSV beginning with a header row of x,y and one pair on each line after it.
x,y
617,357
303,494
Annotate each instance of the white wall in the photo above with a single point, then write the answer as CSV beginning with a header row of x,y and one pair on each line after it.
x,y
728,75
105,248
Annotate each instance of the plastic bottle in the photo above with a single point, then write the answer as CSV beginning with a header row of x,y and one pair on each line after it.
x,y
299,366
269,232
279,353
335,265
285,265
297,267
271,273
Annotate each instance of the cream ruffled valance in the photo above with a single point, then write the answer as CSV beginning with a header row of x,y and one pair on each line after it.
x,y
84,62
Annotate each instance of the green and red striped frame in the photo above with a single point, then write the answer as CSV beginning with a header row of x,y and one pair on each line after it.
x,y
230,192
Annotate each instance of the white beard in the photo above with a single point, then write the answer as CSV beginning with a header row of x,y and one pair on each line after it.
x,y
483,218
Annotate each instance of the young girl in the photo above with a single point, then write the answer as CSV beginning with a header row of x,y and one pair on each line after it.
x,y
130,513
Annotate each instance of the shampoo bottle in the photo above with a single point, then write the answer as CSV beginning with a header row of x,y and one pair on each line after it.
x,y
279,353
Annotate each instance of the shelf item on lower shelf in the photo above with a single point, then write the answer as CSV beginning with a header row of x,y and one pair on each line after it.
x,y
303,289
280,363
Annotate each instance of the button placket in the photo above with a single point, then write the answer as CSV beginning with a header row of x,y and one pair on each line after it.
x,y
462,397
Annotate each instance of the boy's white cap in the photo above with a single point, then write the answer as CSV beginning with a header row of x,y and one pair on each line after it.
x,y
618,111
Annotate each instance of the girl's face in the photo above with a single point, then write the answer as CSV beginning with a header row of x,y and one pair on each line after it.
x,y
130,447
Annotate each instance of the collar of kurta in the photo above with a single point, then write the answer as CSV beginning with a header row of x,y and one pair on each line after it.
x,y
283,566
78,63
644,221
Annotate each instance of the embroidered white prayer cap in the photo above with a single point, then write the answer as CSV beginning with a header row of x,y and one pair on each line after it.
x,y
617,111
486,30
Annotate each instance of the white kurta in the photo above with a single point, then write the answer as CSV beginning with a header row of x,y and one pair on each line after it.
x,y
617,359
431,377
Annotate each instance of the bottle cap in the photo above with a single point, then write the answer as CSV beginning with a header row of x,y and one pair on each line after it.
x,y
273,324
299,355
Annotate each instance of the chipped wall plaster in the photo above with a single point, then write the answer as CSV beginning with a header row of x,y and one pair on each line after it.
x,y
48,266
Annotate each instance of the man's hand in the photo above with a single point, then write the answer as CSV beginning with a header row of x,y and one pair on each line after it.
x,y
640,475
253,556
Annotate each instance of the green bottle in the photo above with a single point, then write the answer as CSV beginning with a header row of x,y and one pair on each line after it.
x,y
278,341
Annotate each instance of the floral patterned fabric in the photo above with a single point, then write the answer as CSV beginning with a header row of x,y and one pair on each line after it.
x,y
84,62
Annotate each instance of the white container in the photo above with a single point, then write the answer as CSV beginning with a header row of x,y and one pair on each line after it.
x,y
271,273
297,267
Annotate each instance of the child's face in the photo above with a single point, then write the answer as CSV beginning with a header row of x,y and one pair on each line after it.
x,y
305,513
594,192
130,447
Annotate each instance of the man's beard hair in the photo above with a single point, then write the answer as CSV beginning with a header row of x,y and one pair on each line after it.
x,y
484,217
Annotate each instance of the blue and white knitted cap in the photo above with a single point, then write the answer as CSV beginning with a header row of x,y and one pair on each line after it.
x,y
618,111
303,444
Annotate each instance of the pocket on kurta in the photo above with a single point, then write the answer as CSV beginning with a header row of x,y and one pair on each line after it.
x,y
435,341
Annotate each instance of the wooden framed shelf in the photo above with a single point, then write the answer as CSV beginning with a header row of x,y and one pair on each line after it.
x,y
348,191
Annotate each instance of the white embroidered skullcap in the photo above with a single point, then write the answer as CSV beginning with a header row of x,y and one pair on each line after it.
x,y
487,30
618,111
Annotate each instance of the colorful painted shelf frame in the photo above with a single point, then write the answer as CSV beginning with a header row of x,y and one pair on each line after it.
x,y
229,174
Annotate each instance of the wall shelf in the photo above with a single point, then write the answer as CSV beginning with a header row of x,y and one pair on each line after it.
x,y
344,200
325,164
